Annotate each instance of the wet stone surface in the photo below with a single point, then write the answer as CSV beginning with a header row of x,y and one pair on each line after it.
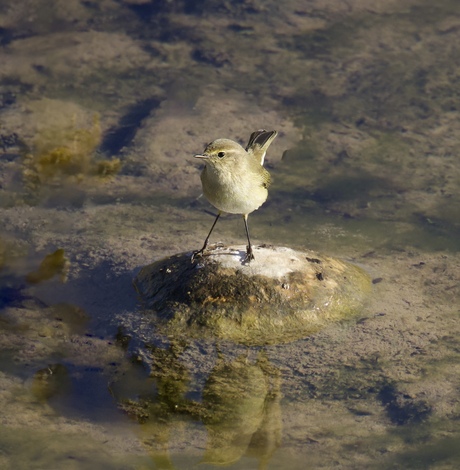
x,y
283,295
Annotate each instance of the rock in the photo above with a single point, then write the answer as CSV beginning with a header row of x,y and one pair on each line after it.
x,y
283,295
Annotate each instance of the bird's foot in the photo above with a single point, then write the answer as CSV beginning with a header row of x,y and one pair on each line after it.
x,y
249,255
197,254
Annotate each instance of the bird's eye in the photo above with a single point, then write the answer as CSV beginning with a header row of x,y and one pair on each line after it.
x,y
221,154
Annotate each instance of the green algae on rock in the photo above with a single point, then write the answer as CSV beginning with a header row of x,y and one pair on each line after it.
x,y
284,295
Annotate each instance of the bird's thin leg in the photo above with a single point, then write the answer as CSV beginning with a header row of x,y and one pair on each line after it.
x,y
205,244
249,254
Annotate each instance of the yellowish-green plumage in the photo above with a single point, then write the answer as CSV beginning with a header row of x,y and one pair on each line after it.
x,y
234,179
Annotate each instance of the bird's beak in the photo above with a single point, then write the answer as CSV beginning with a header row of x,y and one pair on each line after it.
x,y
202,156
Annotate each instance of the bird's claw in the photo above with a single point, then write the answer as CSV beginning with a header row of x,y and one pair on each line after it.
x,y
249,256
197,254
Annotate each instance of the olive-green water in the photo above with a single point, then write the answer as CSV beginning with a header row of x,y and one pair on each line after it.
x,y
102,106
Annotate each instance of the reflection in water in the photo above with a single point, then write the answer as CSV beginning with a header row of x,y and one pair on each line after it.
x,y
240,407
160,400
242,411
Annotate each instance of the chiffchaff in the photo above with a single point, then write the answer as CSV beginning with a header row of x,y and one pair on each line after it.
x,y
234,179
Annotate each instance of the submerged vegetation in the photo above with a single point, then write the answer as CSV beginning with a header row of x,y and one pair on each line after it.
x,y
66,154
53,264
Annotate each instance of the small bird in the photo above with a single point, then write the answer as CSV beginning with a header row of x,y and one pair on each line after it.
x,y
234,179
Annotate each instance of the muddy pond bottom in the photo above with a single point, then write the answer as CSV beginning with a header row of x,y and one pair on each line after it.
x,y
281,296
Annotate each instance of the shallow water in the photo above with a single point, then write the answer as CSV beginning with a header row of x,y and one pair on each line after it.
x,y
365,168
